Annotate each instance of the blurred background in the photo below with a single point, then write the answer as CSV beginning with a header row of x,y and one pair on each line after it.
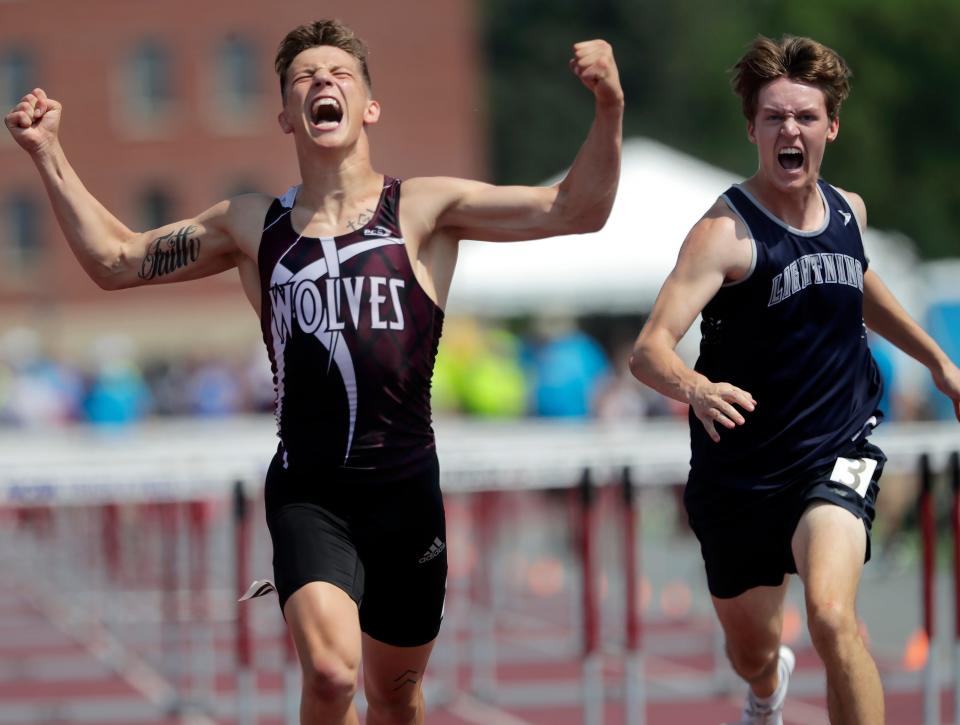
x,y
170,107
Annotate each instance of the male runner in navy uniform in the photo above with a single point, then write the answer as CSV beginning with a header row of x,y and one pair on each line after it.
x,y
777,269
350,272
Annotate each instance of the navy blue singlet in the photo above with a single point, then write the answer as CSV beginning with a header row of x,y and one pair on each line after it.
x,y
791,334
352,339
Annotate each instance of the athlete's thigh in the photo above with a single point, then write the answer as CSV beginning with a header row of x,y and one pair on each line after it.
x,y
311,544
831,540
325,625
393,674
402,543
829,547
752,620
743,537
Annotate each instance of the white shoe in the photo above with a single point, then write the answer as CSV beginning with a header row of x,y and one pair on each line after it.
x,y
757,713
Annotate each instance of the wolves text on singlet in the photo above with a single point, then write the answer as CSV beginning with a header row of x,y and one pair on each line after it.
x,y
352,339
312,308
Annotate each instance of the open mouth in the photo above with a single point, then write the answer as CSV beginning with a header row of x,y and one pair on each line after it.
x,y
326,112
790,159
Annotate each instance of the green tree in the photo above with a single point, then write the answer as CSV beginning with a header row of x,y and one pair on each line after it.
x,y
897,145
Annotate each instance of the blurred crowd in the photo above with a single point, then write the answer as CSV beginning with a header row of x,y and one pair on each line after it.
x,y
554,370
543,368
113,385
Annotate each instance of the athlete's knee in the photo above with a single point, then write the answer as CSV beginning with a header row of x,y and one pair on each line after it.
x,y
832,625
329,679
401,709
752,663
753,650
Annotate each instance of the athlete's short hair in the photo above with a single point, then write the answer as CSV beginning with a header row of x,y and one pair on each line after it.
x,y
321,32
797,58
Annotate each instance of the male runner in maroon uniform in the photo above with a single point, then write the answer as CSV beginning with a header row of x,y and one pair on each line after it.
x,y
350,284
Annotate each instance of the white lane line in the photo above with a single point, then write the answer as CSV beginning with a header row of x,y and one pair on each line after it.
x,y
797,711
108,649
472,710
794,711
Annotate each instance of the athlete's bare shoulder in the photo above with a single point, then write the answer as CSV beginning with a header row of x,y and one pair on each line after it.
x,y
424,201
857,204
245,215
721,221
432,194
444,187
721,241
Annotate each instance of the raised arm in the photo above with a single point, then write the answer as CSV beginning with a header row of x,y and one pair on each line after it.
x,y
579,203
716,250
113,255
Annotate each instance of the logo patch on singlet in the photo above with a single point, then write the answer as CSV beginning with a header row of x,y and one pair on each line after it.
x,y
855,473
377,231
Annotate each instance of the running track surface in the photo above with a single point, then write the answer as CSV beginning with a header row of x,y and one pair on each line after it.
x,y
50,675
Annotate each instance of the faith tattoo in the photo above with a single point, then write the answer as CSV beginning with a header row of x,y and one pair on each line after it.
x,y
170,252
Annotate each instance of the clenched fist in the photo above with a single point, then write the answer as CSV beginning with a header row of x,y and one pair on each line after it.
x,y
593,64
35,121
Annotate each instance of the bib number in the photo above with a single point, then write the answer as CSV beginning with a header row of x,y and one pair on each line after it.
x,y
855,473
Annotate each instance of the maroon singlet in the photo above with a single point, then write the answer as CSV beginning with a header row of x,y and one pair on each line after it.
x,y
352,339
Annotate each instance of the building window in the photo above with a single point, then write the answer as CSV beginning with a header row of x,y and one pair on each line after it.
x,y
150,81
18,76
154,208
237,84
22,238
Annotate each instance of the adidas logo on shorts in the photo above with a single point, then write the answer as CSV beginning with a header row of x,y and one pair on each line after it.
x,y
434,551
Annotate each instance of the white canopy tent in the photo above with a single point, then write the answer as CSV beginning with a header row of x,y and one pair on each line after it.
x,y
619,269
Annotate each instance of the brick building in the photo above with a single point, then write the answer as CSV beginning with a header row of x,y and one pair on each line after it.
x,y
170,107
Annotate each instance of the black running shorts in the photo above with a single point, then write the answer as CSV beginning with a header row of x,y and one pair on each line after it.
x,y
745,536
383,544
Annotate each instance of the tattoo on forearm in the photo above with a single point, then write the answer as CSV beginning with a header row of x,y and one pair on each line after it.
x,y
170,252
364,216
407,678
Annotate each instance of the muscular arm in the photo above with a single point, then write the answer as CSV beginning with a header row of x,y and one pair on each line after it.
x,y
113,255
715,251
884,315
579,203
116,257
